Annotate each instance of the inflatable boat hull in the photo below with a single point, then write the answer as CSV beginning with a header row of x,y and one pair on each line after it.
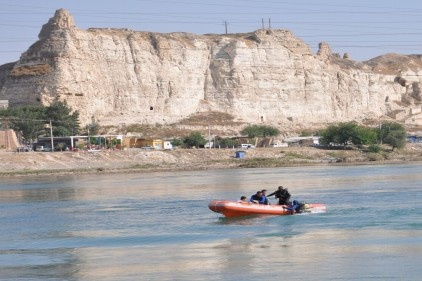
x,y
235,209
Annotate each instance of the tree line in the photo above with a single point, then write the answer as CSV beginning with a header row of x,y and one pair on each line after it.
x,y
341,134
350,133
33,122
197,139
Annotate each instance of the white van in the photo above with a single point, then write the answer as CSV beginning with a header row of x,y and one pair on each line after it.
x,y
246,145
167,145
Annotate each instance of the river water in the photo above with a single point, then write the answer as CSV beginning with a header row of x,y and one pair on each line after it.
x,y
157,226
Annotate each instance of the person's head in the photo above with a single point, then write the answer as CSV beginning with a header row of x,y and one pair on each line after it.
x,y
243,198
259,193
263,191
280,187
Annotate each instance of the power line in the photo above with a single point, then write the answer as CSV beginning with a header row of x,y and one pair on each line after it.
x,y
208,16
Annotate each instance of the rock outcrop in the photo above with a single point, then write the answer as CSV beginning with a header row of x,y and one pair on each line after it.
x,y
267,76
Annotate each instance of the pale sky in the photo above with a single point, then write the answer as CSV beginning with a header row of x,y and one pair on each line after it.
x,y
364,29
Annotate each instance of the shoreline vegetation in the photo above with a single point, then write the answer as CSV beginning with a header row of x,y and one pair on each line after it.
x,y
14,164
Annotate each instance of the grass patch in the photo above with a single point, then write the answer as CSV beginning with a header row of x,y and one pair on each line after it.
x,y
296,155
141,166
337,154
212,118
371,156
27,172
273,162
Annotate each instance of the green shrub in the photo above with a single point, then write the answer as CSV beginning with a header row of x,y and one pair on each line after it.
x,y
374,148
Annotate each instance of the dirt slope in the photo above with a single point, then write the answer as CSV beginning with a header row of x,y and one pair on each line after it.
x,y
27,163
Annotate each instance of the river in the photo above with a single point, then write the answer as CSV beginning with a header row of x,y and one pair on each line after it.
x,y
157,226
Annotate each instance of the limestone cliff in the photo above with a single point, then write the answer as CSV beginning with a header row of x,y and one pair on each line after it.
x,y
124,76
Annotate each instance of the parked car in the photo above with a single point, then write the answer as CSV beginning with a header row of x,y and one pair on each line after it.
x,y
23,149
209,145
42,148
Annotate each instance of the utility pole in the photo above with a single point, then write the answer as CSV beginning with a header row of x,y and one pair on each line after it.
x,y
51,136
225,25
89,140
269,23
209,136
263,26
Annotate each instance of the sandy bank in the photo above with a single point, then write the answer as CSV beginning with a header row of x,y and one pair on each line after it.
x,y
30,163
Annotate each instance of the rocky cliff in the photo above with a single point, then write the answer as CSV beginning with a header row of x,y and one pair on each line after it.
x,y
267,76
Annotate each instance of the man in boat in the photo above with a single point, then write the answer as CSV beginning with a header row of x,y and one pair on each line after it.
x,y
257,197
264,199
295,207
242,200
282,194
298,207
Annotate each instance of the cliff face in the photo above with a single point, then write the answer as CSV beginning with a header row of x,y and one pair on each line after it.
x,y
122,76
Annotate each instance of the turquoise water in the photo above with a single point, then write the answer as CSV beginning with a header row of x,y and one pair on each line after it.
x,y
158,227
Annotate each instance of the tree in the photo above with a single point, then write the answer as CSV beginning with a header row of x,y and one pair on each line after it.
x,y
348,133
328,136
194,139
177,142
92,128
268,131
364,136
253,131
225,142
31,120
393,134
28,120
64,121
338,134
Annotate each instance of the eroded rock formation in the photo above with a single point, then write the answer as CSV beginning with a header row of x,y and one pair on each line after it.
x,y
270,76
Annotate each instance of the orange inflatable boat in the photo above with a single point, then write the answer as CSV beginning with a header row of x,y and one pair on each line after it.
x,y
234,209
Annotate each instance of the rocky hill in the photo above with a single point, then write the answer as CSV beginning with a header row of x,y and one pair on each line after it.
x,y
267,76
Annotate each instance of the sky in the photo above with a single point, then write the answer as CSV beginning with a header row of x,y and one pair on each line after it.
x,y
364,29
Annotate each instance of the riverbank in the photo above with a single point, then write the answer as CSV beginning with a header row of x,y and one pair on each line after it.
x,y
139,160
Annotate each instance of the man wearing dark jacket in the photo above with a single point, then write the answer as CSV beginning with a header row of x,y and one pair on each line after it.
x,y
282,194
